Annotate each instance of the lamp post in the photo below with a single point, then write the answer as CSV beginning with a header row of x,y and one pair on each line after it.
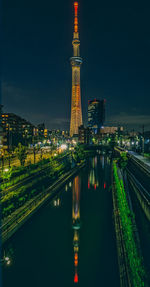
x,y
143,140
9,144
34,150
2,157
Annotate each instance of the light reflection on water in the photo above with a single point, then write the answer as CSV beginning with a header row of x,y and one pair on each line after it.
x,y
88,184
76,224
93,178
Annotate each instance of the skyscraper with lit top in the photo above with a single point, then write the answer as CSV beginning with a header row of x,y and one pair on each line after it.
x,y
76,61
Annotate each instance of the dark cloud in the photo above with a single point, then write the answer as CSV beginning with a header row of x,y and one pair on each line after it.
x,y
130,121
14,98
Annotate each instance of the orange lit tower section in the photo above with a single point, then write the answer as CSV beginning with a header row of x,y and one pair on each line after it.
x,y
76,223
76,61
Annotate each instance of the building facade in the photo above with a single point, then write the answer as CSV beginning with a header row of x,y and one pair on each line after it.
x,y
84,135
76,61
96,114
16,129
110,130
1,131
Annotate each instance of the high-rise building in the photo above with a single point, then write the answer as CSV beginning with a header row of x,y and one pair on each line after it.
x,y
84,135
96,114
16,129
76,61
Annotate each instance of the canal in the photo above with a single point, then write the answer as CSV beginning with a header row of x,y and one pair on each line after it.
x,y
70,241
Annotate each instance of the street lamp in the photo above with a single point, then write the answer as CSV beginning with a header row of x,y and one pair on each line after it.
x,y
6,260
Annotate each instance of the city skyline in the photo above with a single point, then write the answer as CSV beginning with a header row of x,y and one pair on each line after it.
x,y
116,66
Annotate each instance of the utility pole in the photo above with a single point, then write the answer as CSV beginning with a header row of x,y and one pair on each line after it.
x,y
2,157
9,144
34,150
143,140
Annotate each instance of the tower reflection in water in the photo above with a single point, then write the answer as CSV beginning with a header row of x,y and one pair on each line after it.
x,y
76,223
93,175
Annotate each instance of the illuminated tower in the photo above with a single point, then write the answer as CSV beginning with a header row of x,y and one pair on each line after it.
x,y
76,61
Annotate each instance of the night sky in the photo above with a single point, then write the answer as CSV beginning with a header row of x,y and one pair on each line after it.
x,y
115,46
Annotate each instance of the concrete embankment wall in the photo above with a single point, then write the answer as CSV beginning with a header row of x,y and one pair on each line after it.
x,y
122,259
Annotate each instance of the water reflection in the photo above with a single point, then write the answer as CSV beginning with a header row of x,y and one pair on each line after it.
x,y
103,162
76,223
7,256
93,175
68,186
56,202
47,236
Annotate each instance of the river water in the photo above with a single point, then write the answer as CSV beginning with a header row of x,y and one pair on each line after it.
x,y
70,241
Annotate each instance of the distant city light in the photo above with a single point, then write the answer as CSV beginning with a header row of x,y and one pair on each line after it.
x,y
63,146
7,260
74,142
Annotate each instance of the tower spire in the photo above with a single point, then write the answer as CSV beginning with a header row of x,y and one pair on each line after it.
x,y
75,34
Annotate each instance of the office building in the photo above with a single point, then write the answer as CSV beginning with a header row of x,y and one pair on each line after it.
x,y
96,114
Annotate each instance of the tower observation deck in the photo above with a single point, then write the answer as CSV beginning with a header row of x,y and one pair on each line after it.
x,y
76,61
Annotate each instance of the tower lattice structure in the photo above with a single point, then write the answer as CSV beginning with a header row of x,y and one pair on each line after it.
x,y
76,61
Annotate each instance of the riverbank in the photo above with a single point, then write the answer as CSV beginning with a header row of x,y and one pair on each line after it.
x,y
131,267
123,270
25,212
25,183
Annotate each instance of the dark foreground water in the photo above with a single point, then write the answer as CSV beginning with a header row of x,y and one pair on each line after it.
x,y
71,241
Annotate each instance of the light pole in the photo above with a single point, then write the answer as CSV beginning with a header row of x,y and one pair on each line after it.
x,y
143,140
2,157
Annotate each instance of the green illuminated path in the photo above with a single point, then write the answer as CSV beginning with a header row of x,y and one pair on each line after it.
x,y
70,239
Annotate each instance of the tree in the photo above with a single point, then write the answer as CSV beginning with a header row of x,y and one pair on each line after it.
x,y
35,151
21,152
123,160
79,153
6,174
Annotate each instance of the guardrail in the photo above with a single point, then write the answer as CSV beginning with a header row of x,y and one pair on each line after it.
x,y
141,193
140,163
